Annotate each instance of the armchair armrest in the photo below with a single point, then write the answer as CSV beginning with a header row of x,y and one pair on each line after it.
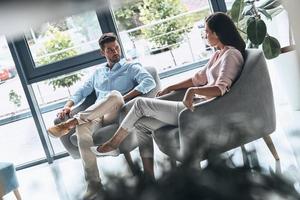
x,y
174,96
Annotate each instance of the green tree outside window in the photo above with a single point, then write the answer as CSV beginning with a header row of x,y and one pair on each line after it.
x,y
59,42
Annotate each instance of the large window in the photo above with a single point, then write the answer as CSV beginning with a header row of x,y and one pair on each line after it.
x,y
161,33
58,56
51,57
20,142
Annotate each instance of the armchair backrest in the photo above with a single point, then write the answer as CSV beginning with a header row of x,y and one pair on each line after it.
x,y
154,73
244,114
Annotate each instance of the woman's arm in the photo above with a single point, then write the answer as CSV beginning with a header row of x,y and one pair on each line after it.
x,y
208,91
181,85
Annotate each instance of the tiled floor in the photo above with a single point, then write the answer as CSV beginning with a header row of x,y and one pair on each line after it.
x,y
64,180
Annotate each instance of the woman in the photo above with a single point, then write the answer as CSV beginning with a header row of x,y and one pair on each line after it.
x,y
213,80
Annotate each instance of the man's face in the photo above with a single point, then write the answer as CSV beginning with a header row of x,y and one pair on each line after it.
x,y
112,52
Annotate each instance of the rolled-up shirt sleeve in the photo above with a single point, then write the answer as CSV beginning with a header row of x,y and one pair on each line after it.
x,y
145,81
82,92
230,66
200,77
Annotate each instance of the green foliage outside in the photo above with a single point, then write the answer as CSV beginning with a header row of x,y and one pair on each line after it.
x,y
164,36
14,98
167,33
59,41
128,16
65,81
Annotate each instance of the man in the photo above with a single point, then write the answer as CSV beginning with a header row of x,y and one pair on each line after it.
x,y
114,84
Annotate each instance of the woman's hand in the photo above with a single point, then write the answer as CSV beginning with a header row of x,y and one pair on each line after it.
x,y
167,90
188,98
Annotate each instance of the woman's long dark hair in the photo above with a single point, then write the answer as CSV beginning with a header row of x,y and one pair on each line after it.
x,y
223,26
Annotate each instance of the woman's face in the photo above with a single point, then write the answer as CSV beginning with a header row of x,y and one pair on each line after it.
x,y
211,37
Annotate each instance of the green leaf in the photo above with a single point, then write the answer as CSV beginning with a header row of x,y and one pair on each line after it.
x,y
251,19
265,13
237,9
256,31
271,47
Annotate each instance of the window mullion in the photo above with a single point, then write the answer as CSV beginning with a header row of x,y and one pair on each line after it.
x,y
218,5
33,104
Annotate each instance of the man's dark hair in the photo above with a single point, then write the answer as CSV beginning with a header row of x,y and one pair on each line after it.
x,y
106,38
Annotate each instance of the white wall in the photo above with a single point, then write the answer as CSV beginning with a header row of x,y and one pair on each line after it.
x,y
293,8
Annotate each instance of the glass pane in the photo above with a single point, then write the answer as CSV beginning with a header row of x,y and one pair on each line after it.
x,y
71,36
59,89
167,39
20,141
229,4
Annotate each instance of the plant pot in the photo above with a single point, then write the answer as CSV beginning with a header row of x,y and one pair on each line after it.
x,y
288,69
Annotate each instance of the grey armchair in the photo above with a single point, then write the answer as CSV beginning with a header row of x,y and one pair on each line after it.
x,y
69,141
242,115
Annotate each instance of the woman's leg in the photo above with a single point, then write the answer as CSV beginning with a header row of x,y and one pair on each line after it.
x,y
145,126
163,110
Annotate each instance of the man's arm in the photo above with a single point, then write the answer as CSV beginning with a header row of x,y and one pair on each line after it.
x,y
181,85
144,79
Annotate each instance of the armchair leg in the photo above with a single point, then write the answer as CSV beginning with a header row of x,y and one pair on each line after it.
x,y
244,154
269,143
173,163
17,194
131,165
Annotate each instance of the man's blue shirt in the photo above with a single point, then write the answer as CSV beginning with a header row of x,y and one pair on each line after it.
x,y
123,77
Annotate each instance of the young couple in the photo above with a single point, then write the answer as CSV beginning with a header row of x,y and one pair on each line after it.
x,y
213,80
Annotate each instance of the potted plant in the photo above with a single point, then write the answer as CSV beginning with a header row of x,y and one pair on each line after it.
x,y
250,20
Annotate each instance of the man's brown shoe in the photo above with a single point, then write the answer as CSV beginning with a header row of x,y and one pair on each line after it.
x,y
60,129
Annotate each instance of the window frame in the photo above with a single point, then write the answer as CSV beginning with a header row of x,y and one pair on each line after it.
x,y
35,74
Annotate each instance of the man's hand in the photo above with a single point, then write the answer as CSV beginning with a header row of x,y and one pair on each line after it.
x,y
163,92
188,98
63,113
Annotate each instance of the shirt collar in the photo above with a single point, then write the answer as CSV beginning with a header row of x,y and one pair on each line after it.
x,y
116,66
